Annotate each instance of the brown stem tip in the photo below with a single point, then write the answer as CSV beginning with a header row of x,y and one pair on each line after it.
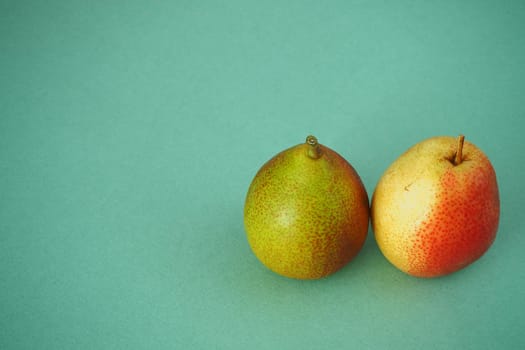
x,y
459,152
314,151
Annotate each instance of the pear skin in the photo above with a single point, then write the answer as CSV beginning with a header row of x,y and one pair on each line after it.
x,y
306,212
436,208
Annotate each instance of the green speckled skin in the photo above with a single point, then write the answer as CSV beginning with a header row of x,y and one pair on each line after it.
x,y
306,218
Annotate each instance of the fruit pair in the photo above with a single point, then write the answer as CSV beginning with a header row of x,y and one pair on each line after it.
x,y
434,211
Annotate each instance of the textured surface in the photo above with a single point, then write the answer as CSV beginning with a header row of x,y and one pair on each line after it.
x,y
432,217
306,218
130,132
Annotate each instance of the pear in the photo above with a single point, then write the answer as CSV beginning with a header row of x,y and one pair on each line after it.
x,y
436,208
306,212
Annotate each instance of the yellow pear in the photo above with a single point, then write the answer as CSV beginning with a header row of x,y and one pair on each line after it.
x,y
436,208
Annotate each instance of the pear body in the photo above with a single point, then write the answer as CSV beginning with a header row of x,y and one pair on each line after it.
x,y
432,216
306,212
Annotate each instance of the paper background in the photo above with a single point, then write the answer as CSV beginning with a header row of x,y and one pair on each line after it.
x,y
130,132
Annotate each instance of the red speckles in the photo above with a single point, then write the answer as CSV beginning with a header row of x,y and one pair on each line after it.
x,y
460,228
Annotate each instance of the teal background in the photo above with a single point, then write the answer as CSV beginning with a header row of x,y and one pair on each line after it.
x,y
131,130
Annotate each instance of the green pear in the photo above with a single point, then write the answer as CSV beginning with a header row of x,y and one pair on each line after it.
x,y
306,212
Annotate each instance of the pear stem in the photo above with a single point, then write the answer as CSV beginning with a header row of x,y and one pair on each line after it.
x,y
459,153
314,151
